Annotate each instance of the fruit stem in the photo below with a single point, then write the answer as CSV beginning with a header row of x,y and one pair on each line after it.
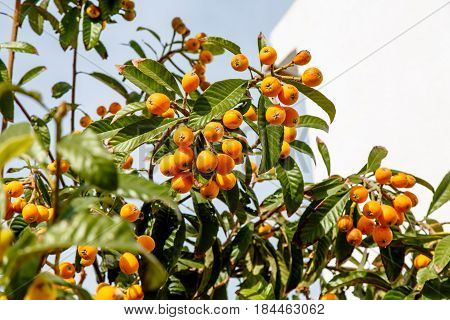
x,y
284,67
256,71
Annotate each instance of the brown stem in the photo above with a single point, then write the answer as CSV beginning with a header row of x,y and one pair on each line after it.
x,y
74,83
256,71
15,28
55,195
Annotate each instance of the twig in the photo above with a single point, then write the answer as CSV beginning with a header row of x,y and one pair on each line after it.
x,y
74,83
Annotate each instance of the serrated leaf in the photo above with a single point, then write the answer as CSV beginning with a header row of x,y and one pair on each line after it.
x,y
303,147
60,88
442,254
105,129
291,180
317,97
220,97
307,121
96,166
319,218
144,82
129,109
323,150
31,74
110,82
442,194
226,44
19,46
271,137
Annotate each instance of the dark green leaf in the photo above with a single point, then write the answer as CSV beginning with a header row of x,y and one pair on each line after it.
x,y
7,99
209,225
101,50
69,28
312,122
60,88
226,44
376,155
110,82
393,258
14,141
137,48
144,82
291,180
129,109
105,129
343,250
357,277
255,288
442,194
91,30
303,147
31,74
323,149
442,254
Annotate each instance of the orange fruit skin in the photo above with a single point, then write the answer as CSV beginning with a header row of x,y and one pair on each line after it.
x,y
87,262
65,165
210,190
372,210
329,296
251,114
213,131
421,261
275,115
285,150
192,45
288,94
93,11
127,163
412,197
204,85
225,164
206,161
183,136
147,243
254,166
109,293
226,182
18,204
400,218
170,113
239,62
135,292
358,194
400,180
411,181
130,212
232,147
129,15
199,36
199,69
205,56
14,189
176,22
302,58
66,270
290,133
265,231
292,117
167,166
354,237
271,86
43,213
382,236
30,213
190,82
383,175
85,121
388,216
114,107
267,55
183,157
102,111
87,252
157,103
365,225
232,119
182,182
345,223
128,263
312,77
402,203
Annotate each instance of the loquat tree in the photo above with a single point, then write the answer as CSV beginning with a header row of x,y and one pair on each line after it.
x,y
190,221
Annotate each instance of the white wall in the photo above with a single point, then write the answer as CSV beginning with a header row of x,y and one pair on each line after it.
x,y
399,97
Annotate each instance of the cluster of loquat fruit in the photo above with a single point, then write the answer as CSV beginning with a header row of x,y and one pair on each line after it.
x,y
129,13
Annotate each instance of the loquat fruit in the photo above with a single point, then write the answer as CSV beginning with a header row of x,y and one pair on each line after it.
x,y
302,57
182,182
190,82
85,121
239,62
270,86
87,252
167,166
226,181
312,77
365,225
206,56
41,289
288,94
213,131
170,113
267,55
93,11
292,118
66,270
102,111
388,216
383,175
372,209
192,45
30,213
204,85
128,162
345,223
265,231
358,194
275,115
400,180
402,203
201,37
18,204
232,119
225,163
206,161
421,261
411,181
14,189
199,69
43,214
108,292
232,147
183,136
354,237
183,157
290,133
114,107
210,190
128,263
251,114
285,150
87,262
382,236
329,296
130,212
400,218
135,292
147,242
158,103
129,15
412,197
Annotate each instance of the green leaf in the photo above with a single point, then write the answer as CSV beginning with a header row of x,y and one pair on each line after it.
x,y
319,218
213,48
357,277
226,44
442,194
312,122
326,188
343,250
393,258
60,88
136,47
323,149
240,244
262,42
145,131
31,74
90,160
255,288
36,19
91,30
316,96
110,82
376,155
109,8
19,46
136,187
271,138
79,291
295,268
436,289
291,180
398,293
101,50
144,82
418,180
105,129
303,147
69,26
442,255
158,73
426,274
15,141
129,109
7,99
220,97
6,88
209,225
151,32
